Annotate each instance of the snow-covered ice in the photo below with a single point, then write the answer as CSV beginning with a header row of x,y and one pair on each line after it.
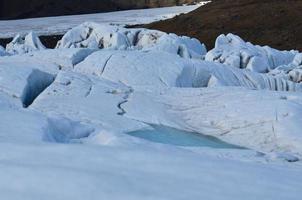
x,y
30,42
77,97
2,51
48,60
232,50
94,172
24,83
116,113
292,71
97,36
262,120
132,68
61,24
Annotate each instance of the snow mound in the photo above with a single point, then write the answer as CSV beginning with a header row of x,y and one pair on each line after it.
x,y
98,36
233,51
21,45
138,68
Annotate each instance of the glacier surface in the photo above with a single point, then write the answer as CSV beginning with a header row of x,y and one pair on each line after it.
x,y
116,113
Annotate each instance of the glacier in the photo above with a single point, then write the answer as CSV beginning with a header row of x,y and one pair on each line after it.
x,y
97,36
20,45
120,113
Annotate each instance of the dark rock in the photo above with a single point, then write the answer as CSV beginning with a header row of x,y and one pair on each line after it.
x,y
263,22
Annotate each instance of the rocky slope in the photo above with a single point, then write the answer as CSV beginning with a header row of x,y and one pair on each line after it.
x,y
276,23
15,9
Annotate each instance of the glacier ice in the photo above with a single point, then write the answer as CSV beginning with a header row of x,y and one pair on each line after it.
x,y
258,119
97,36
103,83
20,45
292,71
23,83
233,51
138,68
2,51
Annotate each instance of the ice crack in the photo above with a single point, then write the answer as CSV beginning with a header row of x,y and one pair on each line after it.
x,y
37,82
126,97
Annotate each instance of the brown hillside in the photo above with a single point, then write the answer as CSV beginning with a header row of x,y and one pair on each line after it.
x,y
277,23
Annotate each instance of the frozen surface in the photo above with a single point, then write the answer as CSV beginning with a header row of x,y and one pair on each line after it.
x,y
166,135
143,115
209,74
48,60
19,45
89,100
59,25
233,51
2,51
96,172
98,36
137,68
262,120
292,71
23,83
